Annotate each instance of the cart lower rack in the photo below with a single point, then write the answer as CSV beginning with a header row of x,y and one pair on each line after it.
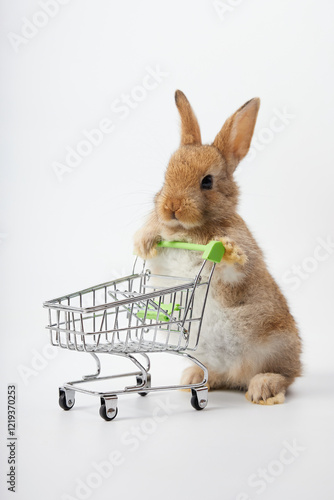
x,y
132,317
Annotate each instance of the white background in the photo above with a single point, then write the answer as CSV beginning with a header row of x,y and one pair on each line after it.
x,y
57,236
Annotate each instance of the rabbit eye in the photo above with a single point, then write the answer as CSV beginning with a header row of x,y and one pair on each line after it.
x,y
207,182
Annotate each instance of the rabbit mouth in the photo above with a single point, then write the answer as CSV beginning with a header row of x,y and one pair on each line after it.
x,y
175,222
176,212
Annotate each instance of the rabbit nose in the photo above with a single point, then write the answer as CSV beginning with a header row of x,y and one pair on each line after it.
x,y
173,206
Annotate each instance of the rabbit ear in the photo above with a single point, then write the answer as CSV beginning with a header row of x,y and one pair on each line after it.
x,y
234,139
190,132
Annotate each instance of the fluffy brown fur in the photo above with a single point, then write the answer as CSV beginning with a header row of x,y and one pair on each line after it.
x,y
252,300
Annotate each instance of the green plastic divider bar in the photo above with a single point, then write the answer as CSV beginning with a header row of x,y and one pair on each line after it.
x,y
153,314
213,251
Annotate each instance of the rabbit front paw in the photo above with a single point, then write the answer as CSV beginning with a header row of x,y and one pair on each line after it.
x,y
145,244
267,389
233,254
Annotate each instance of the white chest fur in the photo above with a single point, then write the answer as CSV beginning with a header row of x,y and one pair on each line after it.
x,y
220,347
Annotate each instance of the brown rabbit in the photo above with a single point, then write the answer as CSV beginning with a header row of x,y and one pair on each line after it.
x,y
249,339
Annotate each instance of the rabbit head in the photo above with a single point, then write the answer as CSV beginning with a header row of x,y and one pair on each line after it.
x,y
199,189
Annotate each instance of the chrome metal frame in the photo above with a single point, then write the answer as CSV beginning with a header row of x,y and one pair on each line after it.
x,y
134,323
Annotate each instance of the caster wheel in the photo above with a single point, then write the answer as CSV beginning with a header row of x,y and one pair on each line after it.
x,y
140,381
197,402
107,417
65,405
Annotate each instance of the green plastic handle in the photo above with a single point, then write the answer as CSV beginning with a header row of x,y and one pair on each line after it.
x,y
213,251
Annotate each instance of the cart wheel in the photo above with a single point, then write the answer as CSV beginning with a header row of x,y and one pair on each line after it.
x,y
65,405
140,381
109,414
199,399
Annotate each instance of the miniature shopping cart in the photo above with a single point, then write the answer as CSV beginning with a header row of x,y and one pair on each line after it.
x,y
135,316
